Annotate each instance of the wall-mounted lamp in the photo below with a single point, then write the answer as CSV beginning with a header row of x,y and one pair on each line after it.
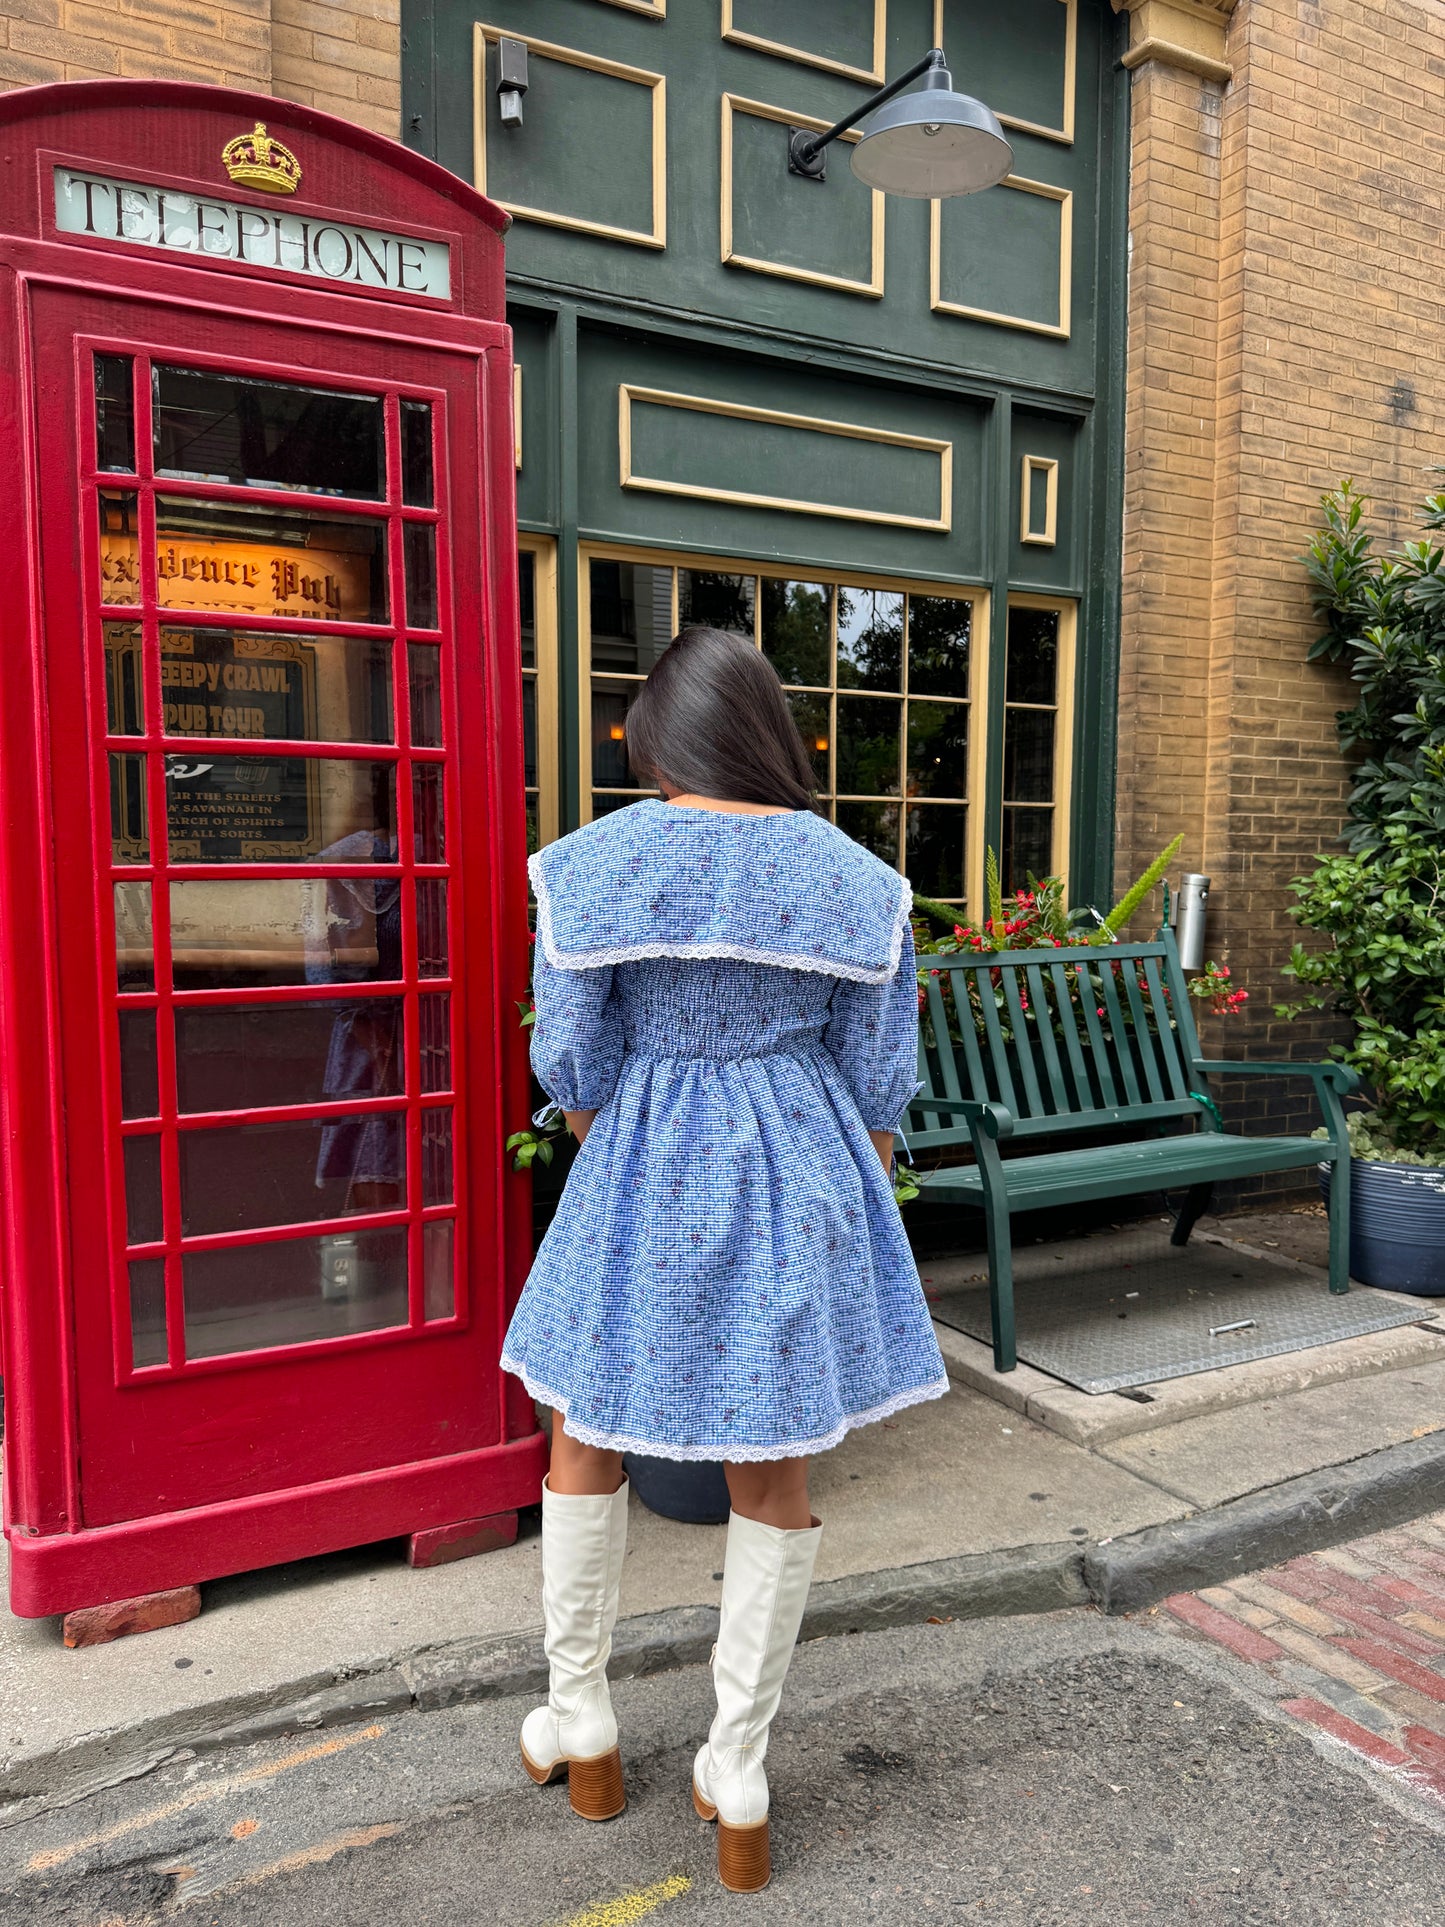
x,y
511,79
926,146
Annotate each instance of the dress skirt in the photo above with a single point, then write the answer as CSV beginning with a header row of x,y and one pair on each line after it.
x,y
727,1276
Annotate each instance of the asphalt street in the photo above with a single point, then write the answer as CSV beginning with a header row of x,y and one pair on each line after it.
x,y
1041,1771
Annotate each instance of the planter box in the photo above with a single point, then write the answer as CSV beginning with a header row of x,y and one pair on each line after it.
x,y
1397,1225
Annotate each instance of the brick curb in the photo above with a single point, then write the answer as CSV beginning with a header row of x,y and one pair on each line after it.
x,y
1319,1509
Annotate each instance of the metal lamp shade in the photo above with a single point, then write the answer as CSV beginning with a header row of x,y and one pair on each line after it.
x,y
932,144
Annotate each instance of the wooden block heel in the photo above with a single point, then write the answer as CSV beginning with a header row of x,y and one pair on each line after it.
x,y
595,1786
543,1775
744,1864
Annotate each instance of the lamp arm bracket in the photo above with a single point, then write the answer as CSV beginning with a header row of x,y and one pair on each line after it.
x,y
805,150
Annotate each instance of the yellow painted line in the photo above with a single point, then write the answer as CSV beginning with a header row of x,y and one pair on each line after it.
x,y
199,1796
629,1907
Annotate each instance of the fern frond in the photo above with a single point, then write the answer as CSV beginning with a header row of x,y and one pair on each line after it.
x,y
1114,923
995,889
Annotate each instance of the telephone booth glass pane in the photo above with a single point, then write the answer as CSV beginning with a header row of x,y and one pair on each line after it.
x,y
270,700
266,434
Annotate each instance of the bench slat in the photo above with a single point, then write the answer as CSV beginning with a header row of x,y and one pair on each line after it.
x,y
1023,1043
1142,1040
998,1053
1103,1070
1069,1024
1044,1031
1170,1054
1108,972
1070,1177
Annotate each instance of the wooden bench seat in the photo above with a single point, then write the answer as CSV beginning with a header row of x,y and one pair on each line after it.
x,y
1018,1046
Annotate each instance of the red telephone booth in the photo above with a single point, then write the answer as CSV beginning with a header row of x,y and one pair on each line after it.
x,y
262,843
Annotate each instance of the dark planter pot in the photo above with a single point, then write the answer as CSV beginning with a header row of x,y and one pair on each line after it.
x,y
1397,1225
692,1491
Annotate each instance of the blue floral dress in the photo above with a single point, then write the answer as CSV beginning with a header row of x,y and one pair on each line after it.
x,y
727,1275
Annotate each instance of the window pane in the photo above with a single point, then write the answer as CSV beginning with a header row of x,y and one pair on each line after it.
x,y
436,1157
810,713
267,434
234,683
716,601
142,1190
428,812
529,732
870,639
869,733
431,927
147,1312
249,1175
139,1076
796,618
935,850
604,805
114,414
123,699
1028,756
119,546
244,1057
424,666
1028,847
631,611
295,1289
1033,655
416,462
937,749
940,629
129,836
419,544
874,825
439,1291
527,605
134,959
244,933
279,809
264,561
435,1019
610,767
534,827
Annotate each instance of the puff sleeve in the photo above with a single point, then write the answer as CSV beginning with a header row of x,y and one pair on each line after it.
x,y
577,1039
872,1036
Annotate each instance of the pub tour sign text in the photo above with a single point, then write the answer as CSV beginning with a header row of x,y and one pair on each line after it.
x,y
260,237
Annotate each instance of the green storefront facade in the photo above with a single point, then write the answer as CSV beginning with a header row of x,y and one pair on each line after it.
x,y
882,438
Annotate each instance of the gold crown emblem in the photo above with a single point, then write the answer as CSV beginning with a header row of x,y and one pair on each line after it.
x,y
259,160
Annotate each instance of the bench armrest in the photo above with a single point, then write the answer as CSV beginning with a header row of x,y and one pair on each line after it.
x,y
1339,1076
995,1120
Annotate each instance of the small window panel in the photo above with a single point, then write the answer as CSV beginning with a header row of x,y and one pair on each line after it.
x,y
1039,502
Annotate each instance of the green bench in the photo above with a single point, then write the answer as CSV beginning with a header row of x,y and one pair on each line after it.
x,y
1016,1047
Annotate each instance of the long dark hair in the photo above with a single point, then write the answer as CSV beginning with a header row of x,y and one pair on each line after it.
x,y
712,720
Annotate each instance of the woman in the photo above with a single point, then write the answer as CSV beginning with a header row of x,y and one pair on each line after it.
x,y
727,1016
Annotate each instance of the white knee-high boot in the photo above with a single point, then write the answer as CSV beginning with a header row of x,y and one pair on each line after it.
x,y
583,1540
766,1575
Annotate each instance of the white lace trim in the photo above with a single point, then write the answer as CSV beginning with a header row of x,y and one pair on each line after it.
x,y
730,1453
737,952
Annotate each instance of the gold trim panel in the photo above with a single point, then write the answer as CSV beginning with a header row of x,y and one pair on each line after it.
x,y
543,550
738,411
517,416
873,75
1058,330
654,9
759,110
1047,537
1065,133
653,237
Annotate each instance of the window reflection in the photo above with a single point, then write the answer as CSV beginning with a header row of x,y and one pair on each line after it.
x,y
251,432
870,639
279,809
258,561
294,1290
114,414
716,601
291,1171
245,1057
239,683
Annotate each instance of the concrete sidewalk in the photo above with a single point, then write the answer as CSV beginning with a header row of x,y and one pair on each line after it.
x,y
966,1505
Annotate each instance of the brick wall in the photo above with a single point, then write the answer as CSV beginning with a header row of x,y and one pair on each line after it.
x,y
1285,319
342,55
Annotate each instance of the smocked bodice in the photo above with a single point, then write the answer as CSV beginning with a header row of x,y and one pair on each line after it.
x,y
719,1010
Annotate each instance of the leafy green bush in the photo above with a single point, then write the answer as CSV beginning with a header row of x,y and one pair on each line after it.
x,y
1383,911
1385,616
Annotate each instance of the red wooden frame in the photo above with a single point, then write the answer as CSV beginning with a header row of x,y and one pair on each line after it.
x,y
121,1480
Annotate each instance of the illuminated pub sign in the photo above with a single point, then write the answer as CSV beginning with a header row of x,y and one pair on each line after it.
x,y
263,858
